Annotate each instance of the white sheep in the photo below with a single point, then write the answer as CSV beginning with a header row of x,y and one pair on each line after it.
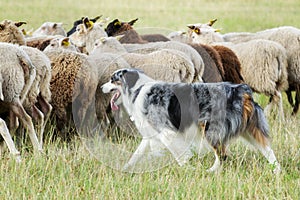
x,y
50,28
266,59
9,32
189,51
86,34
39,94
289,38
17,74
165,64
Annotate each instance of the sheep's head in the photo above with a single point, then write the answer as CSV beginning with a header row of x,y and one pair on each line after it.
x,y
61,43
109,44
9,32
50,28
203,33
117,27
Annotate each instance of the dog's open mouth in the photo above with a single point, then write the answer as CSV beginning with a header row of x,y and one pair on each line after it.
x,y
113,100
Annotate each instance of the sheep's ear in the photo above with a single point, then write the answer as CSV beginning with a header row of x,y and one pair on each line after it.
x,y
2,26
197,31
132,21
96,18
211,22
65,42
117,23
18,24
87,23
183,32
55,25
217,30
119,37
190,26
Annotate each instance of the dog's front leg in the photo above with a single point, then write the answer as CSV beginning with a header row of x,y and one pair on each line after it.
x,y
140,151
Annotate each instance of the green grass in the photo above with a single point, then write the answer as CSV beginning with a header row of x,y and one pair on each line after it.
x,y
71,172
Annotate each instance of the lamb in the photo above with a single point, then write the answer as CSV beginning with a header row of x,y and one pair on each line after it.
x,y
130,35
86,34
266,59
50,28
73,83
165,64
17,74
37,101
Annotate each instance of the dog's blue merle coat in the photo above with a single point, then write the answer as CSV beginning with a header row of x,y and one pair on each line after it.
x,y
161,109
178,105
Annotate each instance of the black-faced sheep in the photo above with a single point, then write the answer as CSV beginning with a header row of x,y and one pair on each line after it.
x,y
86,34
80,21
129,34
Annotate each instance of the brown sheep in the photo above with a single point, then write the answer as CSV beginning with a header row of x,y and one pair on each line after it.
x,y
130,35
73,84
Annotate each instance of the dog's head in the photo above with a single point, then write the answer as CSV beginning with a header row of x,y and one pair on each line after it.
x,y
121,82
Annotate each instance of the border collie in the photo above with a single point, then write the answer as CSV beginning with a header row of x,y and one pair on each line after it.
x,y
182,117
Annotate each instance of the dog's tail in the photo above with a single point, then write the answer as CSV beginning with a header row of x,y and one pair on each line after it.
x,y
255,120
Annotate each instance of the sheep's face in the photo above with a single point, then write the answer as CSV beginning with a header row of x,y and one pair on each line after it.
x,y
204,35
50,28
63,42
79,36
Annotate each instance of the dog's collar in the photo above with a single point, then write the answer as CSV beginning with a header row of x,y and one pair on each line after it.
x,y
136,93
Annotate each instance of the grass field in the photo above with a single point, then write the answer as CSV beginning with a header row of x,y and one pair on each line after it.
x,y
69,171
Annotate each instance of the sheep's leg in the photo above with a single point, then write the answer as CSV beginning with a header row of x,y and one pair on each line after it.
x,y
297,100
280,106
290,97
38,116
265,150
19,111
275,99
9,142
46,108
269,107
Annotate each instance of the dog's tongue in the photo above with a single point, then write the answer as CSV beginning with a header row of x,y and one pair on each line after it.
x,y
113,106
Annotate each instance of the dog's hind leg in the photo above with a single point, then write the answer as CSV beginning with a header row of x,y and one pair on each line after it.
x,y
266,150
139,152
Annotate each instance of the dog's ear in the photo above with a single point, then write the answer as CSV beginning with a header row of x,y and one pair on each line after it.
x,y
130,77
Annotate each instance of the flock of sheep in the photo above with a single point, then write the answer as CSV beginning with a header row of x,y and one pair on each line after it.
x,y
42,74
